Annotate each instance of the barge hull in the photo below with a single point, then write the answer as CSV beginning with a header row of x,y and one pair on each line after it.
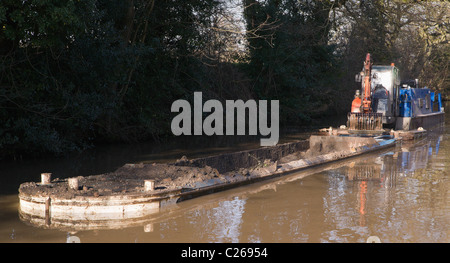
x,y
426,121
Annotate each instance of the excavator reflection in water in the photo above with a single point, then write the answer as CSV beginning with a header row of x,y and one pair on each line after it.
x,y
388,167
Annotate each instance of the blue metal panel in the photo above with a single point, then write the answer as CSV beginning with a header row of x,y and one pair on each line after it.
x,y
439,101
419,101
432,100
405,103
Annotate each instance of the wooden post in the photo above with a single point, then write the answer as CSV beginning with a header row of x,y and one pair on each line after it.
x,y
46,178
149,185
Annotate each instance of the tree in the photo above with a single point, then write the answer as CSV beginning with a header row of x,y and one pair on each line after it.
x,y
290,57
413,34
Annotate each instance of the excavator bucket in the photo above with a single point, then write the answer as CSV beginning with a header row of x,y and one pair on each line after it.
x,y
365,123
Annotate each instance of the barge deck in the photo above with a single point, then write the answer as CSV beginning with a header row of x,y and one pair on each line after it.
x,y
136,191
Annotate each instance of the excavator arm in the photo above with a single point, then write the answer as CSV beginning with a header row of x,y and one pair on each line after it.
x,y
362,119
366,102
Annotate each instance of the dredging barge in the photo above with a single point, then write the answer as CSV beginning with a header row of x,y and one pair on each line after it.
x,y
136,191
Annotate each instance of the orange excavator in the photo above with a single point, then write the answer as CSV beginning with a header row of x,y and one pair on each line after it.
x,y
362,119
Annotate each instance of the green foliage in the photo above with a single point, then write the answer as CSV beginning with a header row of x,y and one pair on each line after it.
x,y
40,23
73,72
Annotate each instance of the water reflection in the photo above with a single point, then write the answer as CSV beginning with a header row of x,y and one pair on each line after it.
x,y
399,196
407,158
225,221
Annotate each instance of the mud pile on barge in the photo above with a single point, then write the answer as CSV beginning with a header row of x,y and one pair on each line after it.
x,y
128,179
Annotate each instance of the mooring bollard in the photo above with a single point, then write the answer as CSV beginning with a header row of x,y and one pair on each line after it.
x,y
149,185
46,178
73,183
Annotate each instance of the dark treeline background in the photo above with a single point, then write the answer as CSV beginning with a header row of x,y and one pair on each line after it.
x,y
75,72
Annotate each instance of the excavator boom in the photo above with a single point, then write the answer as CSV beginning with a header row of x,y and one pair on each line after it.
x,y
362,119
367,77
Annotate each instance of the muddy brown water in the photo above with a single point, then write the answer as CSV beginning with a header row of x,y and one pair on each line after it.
x,y
399,195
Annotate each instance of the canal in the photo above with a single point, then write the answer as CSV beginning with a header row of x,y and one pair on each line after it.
x,y
397,195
